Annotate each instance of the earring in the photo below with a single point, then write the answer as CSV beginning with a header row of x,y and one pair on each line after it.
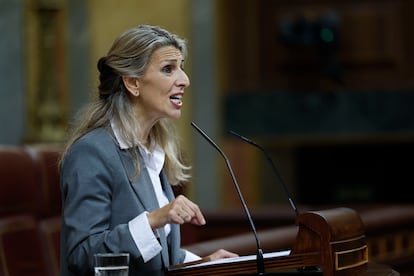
x,y
136,93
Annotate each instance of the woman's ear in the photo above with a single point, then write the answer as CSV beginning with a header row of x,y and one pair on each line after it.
x,y
132,85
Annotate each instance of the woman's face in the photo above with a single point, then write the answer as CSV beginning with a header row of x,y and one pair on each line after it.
x,y
161,88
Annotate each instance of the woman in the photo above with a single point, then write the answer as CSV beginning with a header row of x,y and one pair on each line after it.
x,y
122,158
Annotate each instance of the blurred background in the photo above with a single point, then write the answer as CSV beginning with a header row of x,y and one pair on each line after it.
x,y
325,87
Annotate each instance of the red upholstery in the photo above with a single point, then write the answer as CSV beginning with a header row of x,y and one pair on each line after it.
x,y
50,237
19,182
30,208
20,247
46,158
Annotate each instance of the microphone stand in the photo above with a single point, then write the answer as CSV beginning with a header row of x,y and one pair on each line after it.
x,y
259,258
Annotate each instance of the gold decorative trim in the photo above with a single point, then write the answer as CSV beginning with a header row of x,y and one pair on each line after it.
x,y
363,250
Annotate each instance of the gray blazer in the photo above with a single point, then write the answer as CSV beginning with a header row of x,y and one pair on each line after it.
x,y
100,196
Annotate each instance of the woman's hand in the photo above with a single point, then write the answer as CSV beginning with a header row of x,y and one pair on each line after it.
x,y
220,254
181,210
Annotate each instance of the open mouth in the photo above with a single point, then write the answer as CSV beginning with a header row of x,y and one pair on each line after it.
x,y
176,99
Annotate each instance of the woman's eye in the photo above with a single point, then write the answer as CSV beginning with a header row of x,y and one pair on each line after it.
x,y
167,69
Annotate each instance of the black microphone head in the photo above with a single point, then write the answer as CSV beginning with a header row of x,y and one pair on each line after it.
x,y
243,138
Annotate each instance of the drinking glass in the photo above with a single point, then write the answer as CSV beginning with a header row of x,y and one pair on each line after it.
x,y
111,264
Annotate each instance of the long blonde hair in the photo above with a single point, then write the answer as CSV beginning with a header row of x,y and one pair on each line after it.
x,y
130,55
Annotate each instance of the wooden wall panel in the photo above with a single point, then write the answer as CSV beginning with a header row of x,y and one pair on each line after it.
x,y
369,102
374,45
370,49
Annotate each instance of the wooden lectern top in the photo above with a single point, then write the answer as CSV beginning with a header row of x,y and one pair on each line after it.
x,y
338,235
329,241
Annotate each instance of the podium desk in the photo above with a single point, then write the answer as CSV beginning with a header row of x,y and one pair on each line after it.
x,y
329,242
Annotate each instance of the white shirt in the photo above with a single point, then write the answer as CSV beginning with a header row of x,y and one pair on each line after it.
x,y
143,235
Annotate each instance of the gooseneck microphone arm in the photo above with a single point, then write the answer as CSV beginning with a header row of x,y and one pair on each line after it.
x,y
259,259
292,203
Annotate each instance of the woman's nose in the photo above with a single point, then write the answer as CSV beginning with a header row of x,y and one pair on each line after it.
x,y
183,79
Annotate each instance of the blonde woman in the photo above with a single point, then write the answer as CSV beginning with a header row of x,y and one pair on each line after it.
x,y
122,158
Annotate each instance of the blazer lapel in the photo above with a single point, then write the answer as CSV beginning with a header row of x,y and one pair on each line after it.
x,y
145,192
142,184
166,186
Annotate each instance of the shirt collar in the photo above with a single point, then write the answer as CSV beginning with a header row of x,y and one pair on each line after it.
x,y
153,160
122,144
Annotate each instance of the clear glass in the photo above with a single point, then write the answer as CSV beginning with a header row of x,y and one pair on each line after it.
x,y
111,264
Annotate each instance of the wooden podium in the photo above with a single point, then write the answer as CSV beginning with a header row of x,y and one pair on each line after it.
x,y
329,242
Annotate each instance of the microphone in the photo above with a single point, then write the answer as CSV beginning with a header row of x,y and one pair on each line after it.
x,y
259,258
273,167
